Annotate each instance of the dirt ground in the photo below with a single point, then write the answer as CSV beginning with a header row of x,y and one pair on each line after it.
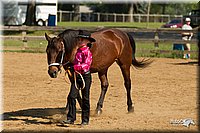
x,y
163,93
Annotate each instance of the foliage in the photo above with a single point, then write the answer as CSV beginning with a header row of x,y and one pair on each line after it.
x,y
141,7
110,8
65,7
119,8
173,8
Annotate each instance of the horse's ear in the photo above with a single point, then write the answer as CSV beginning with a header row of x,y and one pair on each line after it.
x,y
62,44
47,37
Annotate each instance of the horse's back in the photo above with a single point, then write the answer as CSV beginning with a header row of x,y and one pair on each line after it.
x,y
110,45
110,33
118,39
115,37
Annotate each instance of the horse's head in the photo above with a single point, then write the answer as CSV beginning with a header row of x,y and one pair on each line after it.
x,y
55,54
61,50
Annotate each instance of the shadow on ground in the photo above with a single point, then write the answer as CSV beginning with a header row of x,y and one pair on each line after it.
x,y
37,115
187,63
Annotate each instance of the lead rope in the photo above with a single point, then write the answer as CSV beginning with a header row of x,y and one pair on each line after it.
x,y
70,74
67,71
81,79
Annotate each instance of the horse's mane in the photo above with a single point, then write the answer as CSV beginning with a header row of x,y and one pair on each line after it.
x,y
69,38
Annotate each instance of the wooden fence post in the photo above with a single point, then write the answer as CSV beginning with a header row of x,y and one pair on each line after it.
x,y
98,17
24,38
156,39
198,32
60,16
115,18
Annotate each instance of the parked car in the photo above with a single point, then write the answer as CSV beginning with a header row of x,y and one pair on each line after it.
x,y
174,23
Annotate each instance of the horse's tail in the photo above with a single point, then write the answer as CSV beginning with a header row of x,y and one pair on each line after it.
x,y
138,64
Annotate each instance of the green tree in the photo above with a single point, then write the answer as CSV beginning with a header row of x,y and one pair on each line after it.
x,y
65,6
119,8
173,8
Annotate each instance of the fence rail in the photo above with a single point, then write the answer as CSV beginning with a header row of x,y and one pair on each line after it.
x,y
156,40
62,28
25,29
28,38
63,16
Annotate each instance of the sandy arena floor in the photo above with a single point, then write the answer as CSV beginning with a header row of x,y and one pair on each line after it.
x,y
163,93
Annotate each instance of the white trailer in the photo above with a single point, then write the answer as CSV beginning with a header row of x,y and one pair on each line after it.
x,y
14,12
44,8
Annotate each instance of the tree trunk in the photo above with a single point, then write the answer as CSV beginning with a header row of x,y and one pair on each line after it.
x,y
31,13
76,13
148,12
163,8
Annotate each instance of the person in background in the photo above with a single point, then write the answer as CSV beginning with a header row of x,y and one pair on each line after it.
x,y
81,67
187,36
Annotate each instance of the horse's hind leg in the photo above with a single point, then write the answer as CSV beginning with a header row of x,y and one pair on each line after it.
x,y
127,82
104,87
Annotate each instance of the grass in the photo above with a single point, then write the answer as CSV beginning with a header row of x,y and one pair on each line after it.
x,y
29,33
143,47
110,24
88,24
31,44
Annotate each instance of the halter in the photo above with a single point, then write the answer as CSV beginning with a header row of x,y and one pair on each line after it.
x,y
59,64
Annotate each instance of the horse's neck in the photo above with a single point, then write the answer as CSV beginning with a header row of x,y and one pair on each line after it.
x,y
70,55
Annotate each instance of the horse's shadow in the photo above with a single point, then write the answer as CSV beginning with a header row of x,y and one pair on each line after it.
x,y
37,115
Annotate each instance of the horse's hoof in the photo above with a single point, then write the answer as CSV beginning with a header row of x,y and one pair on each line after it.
x,y
98,111
130,109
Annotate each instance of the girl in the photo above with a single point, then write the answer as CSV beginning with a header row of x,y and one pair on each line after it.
x,y
81,66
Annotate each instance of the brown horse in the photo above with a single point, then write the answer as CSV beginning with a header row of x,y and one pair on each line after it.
x,y
111,45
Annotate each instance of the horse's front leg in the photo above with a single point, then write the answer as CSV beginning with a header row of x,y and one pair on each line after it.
x,y
104,87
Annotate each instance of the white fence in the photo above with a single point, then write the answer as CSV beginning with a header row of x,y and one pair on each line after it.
x,y
67,16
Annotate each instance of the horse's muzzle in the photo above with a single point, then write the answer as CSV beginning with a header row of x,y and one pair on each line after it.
x,y
53,73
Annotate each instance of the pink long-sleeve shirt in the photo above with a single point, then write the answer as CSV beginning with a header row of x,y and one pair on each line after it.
x,y
83,59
